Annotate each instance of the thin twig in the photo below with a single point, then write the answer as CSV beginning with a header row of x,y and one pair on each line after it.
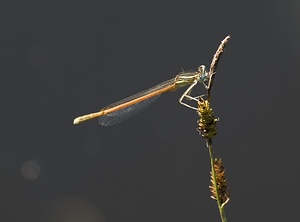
x,y
208,125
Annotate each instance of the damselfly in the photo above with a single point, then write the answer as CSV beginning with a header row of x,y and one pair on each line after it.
x,y
130,106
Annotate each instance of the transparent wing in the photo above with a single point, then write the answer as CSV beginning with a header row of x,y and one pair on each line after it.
x,y
131,106
125,113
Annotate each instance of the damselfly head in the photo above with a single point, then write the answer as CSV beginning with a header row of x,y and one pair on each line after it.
x,y
203,73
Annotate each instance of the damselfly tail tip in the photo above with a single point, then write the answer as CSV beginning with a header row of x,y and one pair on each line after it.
x,y
76,120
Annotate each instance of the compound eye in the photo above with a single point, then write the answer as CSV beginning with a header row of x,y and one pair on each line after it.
x,y
202,69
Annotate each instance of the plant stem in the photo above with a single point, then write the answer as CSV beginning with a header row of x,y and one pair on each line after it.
x,y
215,183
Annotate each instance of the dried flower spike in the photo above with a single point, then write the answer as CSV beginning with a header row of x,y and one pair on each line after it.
x,y
219,183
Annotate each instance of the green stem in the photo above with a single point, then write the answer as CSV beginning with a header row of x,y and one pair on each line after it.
x,y
220,206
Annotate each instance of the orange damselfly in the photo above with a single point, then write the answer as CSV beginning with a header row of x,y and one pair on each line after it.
x,y
130,106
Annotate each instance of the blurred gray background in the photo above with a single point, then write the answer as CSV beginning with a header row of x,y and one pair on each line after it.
x,y
62,59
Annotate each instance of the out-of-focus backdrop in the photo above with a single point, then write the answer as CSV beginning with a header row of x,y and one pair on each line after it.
x,y
62,59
